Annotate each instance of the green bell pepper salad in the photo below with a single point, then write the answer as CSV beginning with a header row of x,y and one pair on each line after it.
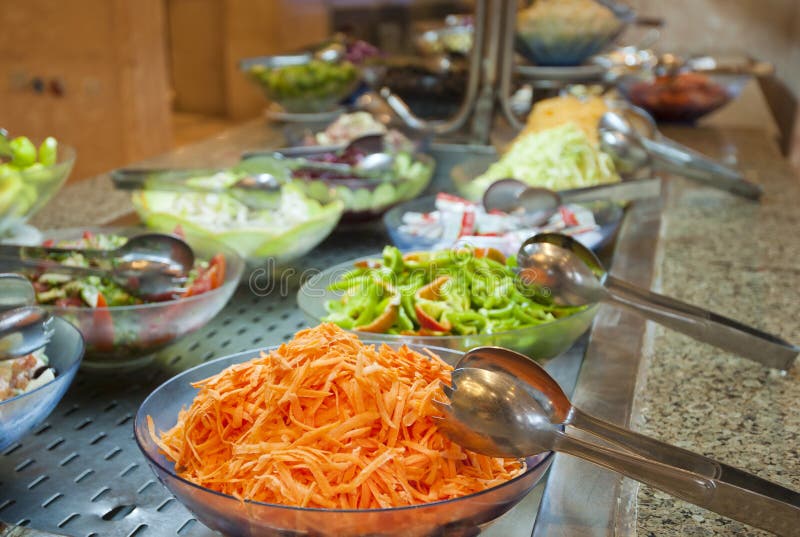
x,y
446,292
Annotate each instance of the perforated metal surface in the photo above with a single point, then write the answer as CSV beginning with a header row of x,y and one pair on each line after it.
x,y
81,474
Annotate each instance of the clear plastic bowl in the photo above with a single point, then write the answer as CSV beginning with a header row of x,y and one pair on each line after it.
x,y
363,199
24,193
141,330
682,98
20,414
230,516
608,216
541,342
308,98
257,243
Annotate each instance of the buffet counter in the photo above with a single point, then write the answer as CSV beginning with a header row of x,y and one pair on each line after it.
x,y
707,248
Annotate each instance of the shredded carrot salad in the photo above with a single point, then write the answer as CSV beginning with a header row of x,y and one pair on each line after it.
x,y
325,421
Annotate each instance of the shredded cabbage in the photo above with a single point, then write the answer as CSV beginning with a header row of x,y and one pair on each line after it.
x,y
559,159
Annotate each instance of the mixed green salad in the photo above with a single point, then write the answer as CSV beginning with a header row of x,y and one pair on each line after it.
x,y
23,172
446,292
63,290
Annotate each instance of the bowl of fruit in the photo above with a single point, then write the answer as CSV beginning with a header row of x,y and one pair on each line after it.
x,y
30,175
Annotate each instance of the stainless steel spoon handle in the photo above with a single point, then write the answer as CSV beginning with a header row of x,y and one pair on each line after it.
x,y
730,492
704,325
693,165
45,264
622,191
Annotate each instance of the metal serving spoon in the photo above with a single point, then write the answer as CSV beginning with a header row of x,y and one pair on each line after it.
x,y
149,251
540,204
513,408
374,163
148,280
24,330
16,290
571,275
626,146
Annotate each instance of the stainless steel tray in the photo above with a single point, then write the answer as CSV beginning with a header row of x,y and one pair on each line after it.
x,y
81,474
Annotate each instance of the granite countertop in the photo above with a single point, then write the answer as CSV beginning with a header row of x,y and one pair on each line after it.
x,y
729,255
738,259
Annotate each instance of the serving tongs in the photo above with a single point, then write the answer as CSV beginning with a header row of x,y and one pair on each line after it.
x,y
503,404
561,268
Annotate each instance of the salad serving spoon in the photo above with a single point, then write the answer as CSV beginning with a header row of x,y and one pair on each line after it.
x,y
558,266
503,404
15,291
148,252
150,281
540,204
24,330
629,150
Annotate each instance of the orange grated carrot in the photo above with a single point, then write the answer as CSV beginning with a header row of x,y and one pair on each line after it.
x,y
326,421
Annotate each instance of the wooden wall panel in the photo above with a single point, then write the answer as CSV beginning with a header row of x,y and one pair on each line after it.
x,y
109,57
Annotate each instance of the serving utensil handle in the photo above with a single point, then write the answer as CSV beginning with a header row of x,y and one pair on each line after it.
x,y
683,161
704,325
727,491
622,191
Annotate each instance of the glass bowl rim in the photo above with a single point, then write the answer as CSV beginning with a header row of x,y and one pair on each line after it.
x,y
73,365
542,458
229,253
417,340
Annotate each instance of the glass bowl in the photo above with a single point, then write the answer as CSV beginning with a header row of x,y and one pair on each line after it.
x,y
231,516
20,414
541,342
364,199
684,97
256,242
314,86
24,192
608,216
138,331
561,33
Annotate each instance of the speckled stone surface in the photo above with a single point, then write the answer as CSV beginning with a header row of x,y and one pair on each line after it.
x,y
740,260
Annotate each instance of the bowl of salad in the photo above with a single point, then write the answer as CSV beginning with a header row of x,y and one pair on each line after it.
x,y
377,478
362,197
280,225
457,298
122,330
567,32
300,83
30,174
31,386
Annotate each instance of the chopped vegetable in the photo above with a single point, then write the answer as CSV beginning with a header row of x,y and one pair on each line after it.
x,y
64,290
559,158
325,421
445,292
24,374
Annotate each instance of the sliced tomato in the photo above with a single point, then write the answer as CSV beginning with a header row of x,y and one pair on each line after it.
x,y
88,235
48,243
208,279
68,302
102,333
383,322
